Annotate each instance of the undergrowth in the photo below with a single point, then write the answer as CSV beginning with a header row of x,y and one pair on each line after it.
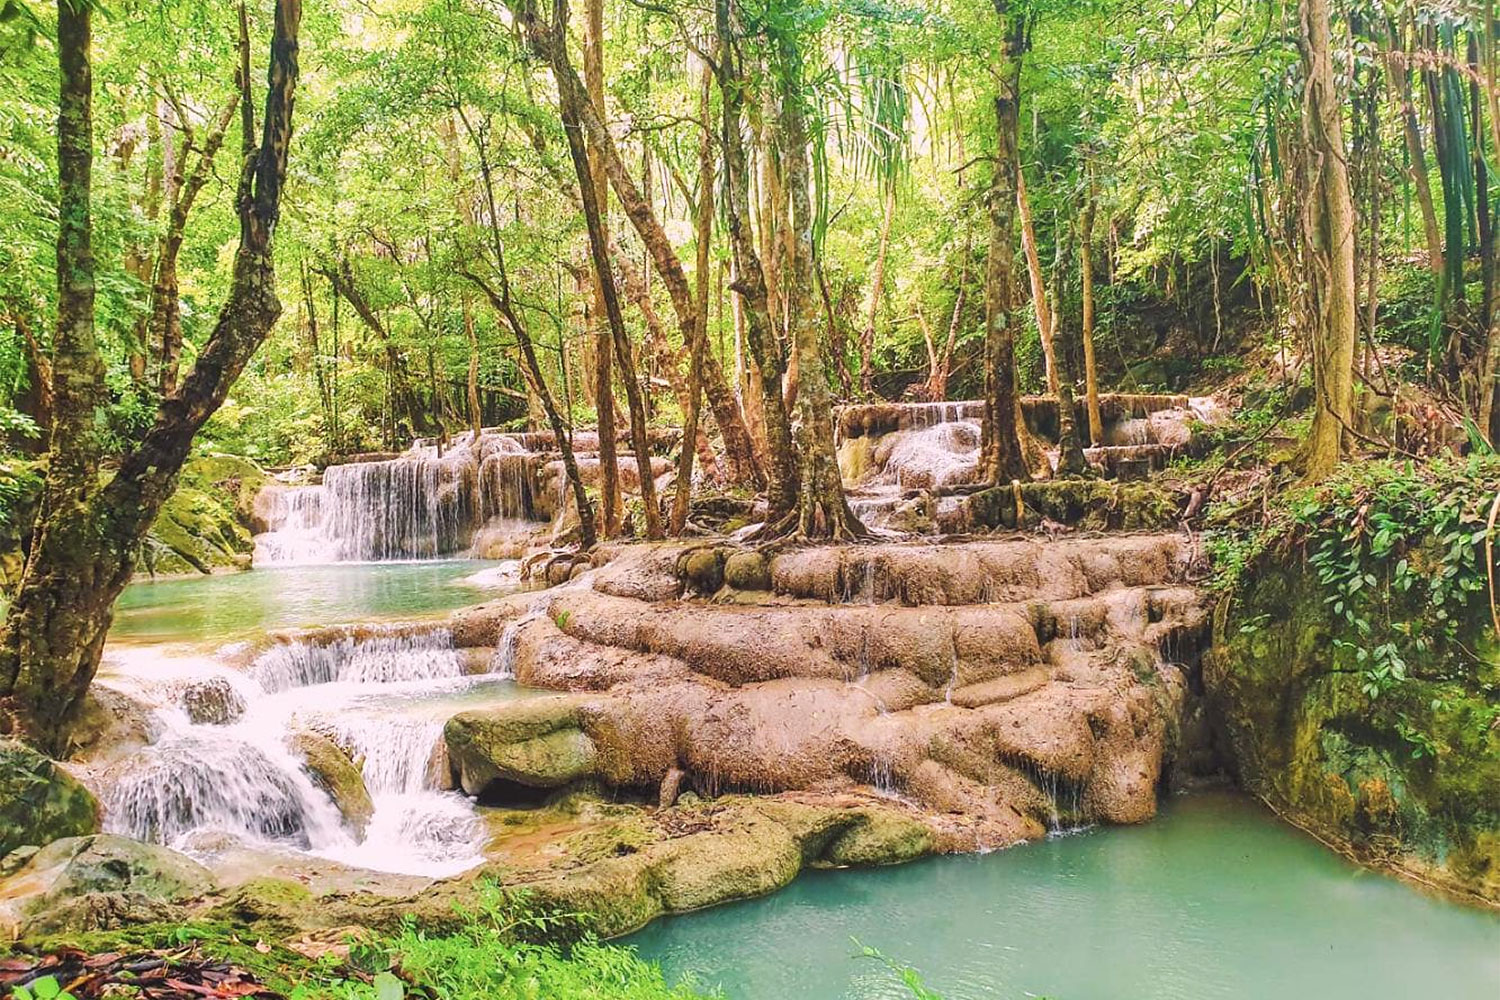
x,y
1399,549
504,949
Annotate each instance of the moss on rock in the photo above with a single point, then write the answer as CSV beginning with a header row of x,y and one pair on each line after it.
x,y
333,772
40,802
537,743
1408,777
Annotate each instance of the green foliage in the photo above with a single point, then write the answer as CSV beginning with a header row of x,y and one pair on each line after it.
x,y
45,988
493,956
1398,549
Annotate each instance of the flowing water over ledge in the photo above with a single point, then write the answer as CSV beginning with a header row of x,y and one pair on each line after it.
x,y
1215,900
222,777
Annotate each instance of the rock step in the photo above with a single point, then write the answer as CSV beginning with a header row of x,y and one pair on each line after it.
x,y
1040,413
914,574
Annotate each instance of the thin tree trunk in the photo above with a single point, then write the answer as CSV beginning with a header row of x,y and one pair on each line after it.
x,y
1070,458
750,280
611,501
704,235
737,449
1489,412
1002,458
87,536
1044,322
1329,235
550,43
1398,73
406,404
867,335
500,300
165,324
1086,272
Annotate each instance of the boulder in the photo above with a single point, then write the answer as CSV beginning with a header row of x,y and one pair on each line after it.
x,y
747,571
536,743
331,770
881,837
40,802
211,701
703,571
97,883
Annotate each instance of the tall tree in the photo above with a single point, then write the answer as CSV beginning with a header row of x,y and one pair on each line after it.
x,y
1002,460
87,535
750,283
1328,238
822,510
549,42
611,505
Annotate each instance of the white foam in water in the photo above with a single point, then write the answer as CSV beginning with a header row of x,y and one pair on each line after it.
x,y
368,659
200,786
938,455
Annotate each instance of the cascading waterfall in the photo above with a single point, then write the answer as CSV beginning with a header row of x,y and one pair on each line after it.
x,y
204,786
363,659
420,505
190,781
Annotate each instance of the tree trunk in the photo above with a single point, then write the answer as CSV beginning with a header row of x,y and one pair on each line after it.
x,y
611,502
1086,272
1398,72
822,511
87,537
165,324
867,335
1002,458
588,534
342,279
750,280
1329,237
1044,321
737,449
1489,395
550,43
704,235
767,360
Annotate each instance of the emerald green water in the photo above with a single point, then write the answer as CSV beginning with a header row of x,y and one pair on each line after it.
x,y
1215,899
233,606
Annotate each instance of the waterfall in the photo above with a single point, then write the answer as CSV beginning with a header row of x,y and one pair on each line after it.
x,y
417,506
944,453
189,781
365,659
297,536
214,781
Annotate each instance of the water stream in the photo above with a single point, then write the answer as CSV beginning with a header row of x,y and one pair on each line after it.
x,y
1215,900
221,773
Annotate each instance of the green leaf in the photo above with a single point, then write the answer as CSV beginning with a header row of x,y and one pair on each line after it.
x,y
388,987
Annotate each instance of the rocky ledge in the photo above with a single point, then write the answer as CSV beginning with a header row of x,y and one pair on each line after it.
x,y
722,717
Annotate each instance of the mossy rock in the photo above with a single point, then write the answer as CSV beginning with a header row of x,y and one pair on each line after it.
x,y
535,743
880,837
268,904
102,881
332,771
747,571
702,570
1409,779
204,526
40,802
1086,504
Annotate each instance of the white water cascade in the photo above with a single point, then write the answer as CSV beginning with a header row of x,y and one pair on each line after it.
x,y
236,782
419,505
